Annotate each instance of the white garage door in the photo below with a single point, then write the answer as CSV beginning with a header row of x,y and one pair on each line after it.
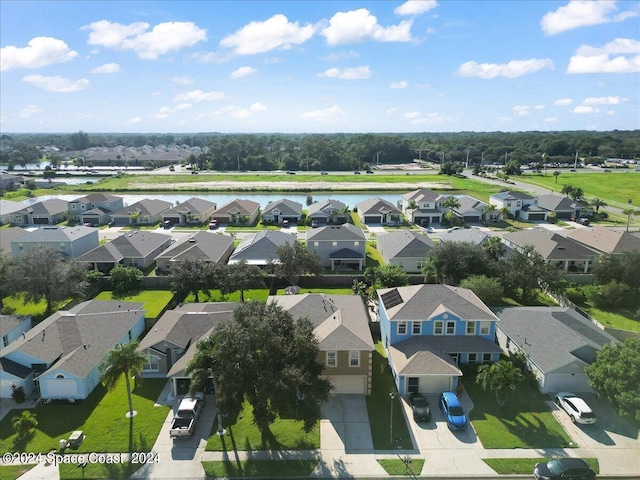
x,y
568,383
434,384
348,384
60,388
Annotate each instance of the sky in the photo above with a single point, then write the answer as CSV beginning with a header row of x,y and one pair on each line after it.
x,y
319,66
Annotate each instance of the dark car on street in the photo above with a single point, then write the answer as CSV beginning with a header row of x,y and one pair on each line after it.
x,y
420,407
561,468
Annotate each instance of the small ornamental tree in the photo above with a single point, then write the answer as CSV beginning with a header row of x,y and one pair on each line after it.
x,y
125,279
499,378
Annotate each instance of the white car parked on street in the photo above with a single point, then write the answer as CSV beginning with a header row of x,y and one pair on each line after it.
x,y
576,407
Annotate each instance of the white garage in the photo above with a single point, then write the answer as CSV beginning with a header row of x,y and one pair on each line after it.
x,y
59,388
429,383
348,384
567,382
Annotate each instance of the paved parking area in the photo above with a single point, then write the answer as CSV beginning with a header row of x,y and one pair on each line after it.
x,y
344,426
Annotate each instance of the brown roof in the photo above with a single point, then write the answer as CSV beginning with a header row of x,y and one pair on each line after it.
x,y
606,240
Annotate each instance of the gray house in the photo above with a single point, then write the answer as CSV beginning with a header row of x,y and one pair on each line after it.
x,y
194,211
8,209
405,248
378,211
606,240
238,212
327,212
558,343
339,246
426,209
471,210
46,212
144,212
284,209
563,207
261,248
8,236
95,208
203,246
514,201
135,249
70,242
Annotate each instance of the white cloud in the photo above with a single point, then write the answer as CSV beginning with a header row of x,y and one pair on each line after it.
x,y
242,72
354,73
107,68
257,107
621,55
199,96
583,109
513,69
551,120
134,120
522,110
399,85
432,118
582,13
411,115
324,115
148,44
164,112
391,110
260,37
356,26
28,111
182,80
415,7
56,84
338,56
602,101
538,107
563,101
241,113
39,52
183,106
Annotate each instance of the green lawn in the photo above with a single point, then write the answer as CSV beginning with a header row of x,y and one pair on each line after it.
x,y
622,318
101,417
524,466
17,306
12,472
395,466
243,434
524,422
379,407
154,300
97,470
260,294
259,468
328,291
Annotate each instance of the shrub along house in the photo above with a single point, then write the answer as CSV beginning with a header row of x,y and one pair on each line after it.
x,y
428,330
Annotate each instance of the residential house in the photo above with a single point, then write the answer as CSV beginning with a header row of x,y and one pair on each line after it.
x,y
280,210
563,207
8,236
202,246
378,211
238,212
328,212
606,240
8,209
261,248
471,210
134,249
426,209
94,209
466,235
70,242
9,182
341,325
557,343
171,343
144,212
406,249
564,252
339,246
428,330
46,212
61,356
11,327
194,211
514,201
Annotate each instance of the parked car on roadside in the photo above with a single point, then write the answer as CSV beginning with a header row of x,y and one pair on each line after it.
x,y
453,412
419,407
576,408
561,468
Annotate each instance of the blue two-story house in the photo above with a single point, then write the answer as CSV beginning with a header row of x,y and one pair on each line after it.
x,y
428,330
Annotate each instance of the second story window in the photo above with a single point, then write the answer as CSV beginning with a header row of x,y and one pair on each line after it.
x,y
332,359
402,328
416,328
451,328
485,328
438,327
471,328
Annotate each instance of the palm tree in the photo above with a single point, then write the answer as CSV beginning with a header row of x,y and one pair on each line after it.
x,y
576,194
567,189
490,209
431,270
630,212
411,207
597,203
24,424
123,359
504,212
498,378
451,203
494,247
556,174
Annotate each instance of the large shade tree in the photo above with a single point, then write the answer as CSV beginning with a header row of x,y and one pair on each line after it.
x,y
241,277
124,359
455,261
294,261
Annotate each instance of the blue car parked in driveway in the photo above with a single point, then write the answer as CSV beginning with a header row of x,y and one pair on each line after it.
x,y
453,412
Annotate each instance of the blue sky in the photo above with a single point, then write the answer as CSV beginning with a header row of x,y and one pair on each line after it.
x,y
324,66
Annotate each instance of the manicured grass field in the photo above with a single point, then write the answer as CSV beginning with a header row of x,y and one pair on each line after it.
x,y
619,318
260,294
243,434
395,466
525,420
154,300
12,472
524,466
17,306
328,291
259,468
102,419
71,471
379,407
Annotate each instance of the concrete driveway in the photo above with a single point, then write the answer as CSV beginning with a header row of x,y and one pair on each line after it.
x,y
344,427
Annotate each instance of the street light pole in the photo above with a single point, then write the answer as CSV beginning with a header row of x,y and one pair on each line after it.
x,y
392,396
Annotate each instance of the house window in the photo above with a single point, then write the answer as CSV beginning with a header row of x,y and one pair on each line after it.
x,y
152,364
486,358
413,384
473,357
83,207
416,328
421,263
332,359
356,244
73,206
484,328
354,358
5,341
60,376
438,327
316,244
471,328
455,357
402,328
451,328
334,244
